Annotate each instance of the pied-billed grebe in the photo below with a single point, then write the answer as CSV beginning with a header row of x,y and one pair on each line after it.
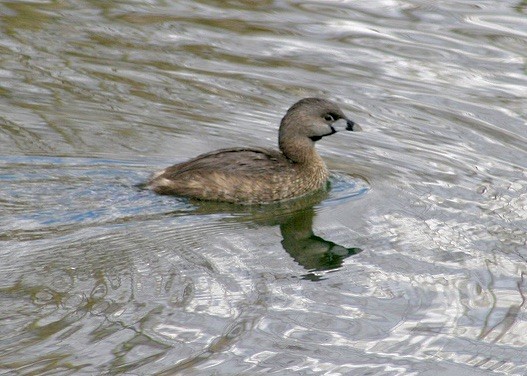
x,y
258,175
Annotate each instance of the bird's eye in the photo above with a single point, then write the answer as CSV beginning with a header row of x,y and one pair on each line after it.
x,y
329,117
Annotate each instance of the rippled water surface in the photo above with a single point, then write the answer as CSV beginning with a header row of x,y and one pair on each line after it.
x,y
414,262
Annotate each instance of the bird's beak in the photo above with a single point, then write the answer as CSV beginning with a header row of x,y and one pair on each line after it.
x,y
352,126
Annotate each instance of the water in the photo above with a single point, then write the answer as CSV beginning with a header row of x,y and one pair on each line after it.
x,y
414,263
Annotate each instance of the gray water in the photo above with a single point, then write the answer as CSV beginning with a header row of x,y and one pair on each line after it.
x,y
414,262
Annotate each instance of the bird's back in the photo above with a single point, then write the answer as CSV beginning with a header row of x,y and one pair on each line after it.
x,y
240,175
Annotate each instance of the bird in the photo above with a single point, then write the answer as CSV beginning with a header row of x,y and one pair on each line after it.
x,y
255,175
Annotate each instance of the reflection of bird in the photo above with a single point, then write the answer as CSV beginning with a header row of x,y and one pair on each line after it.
x,y
258,175
309,250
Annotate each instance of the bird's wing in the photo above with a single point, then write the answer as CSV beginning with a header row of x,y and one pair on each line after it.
x,y
252,161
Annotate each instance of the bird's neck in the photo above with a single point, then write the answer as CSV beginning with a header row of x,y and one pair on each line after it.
x,y
300,150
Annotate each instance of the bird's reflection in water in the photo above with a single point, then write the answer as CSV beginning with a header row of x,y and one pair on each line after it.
x,y
295,219
309,250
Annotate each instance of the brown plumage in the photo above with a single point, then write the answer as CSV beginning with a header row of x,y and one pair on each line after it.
x,y
259,175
